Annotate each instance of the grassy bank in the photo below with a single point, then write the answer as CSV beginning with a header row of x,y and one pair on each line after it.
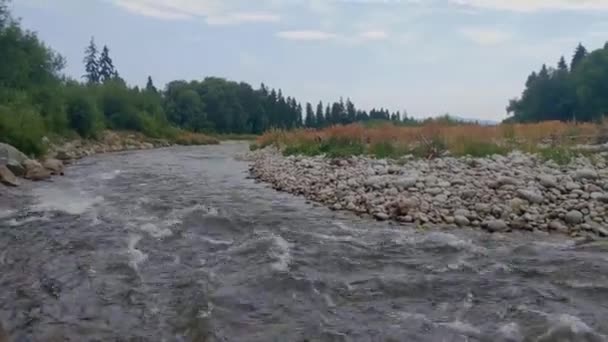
x,y
551,139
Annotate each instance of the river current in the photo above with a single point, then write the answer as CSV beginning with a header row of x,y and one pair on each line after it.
x,y
179,244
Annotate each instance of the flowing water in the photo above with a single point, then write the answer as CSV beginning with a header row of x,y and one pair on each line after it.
x,y
179,245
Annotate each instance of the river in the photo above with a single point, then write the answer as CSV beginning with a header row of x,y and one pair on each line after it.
x,y
179,244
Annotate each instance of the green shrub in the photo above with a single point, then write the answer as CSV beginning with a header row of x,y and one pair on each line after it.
x,y
253,147
480,149
430,149
83,115
560,155
22,127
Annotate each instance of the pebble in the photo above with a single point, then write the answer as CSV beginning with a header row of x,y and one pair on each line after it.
x,y
513,192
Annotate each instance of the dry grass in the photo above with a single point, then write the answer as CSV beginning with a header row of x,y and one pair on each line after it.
x,y
189,138
459,139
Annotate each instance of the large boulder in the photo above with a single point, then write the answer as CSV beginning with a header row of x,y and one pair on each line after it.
x,y
53,165
7,177
13,159
35,171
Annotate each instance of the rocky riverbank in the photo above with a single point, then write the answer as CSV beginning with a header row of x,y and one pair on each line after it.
x,y
499,194
14,164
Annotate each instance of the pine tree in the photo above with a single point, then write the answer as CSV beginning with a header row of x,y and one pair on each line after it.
x,y
351,111
309,121
562,66
150,86
106,66
328,119
91,64
320,118
579,55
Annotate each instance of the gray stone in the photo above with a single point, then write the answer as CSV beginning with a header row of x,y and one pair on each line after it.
x,y
574,217
441,198
504,180
381,216
461,220
13,159
585,174
434,191
558,226
462,212
548,181
406,182
530,196
7,177
53,165
572,186
598,196
495,226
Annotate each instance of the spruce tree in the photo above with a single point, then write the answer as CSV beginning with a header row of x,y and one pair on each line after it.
x,y
150,85
328,119
579,55
320,120
309,121
562,66
91,64
106,66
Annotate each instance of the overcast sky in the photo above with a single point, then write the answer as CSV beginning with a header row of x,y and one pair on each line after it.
x,y
465,57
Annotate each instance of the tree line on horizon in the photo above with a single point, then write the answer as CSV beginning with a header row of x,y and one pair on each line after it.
x,y
37,99
574,91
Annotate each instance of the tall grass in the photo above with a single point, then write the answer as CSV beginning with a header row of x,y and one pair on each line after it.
x,y
429,140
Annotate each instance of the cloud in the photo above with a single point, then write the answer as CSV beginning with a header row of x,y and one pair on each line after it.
x,y
485,36
215,12
243,17
373,35
307,35
534,5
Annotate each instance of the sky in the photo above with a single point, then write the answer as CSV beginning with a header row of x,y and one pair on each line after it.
x,y
428,57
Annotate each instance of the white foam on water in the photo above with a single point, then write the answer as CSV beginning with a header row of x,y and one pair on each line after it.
x,y
411,316
109,175
337,238
217,242
155,231
68,201
462,328
451,240
282,252
5,213
20,222
511,332
136,256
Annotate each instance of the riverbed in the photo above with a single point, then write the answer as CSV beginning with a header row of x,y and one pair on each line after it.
x,y
180,244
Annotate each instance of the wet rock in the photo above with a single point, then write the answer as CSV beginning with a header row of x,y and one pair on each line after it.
x,y
7,177
461,220
53,165
558,226
495,226
13,159
381,216
35,171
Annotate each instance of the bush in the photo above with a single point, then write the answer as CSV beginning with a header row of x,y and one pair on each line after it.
x,y
83,115
560,155
480,149
22,127
253,147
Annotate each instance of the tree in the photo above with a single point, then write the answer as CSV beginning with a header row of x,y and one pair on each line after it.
x,y
150,86
106,66
320,118
351,111
310,116
562,66
91,64
579,54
